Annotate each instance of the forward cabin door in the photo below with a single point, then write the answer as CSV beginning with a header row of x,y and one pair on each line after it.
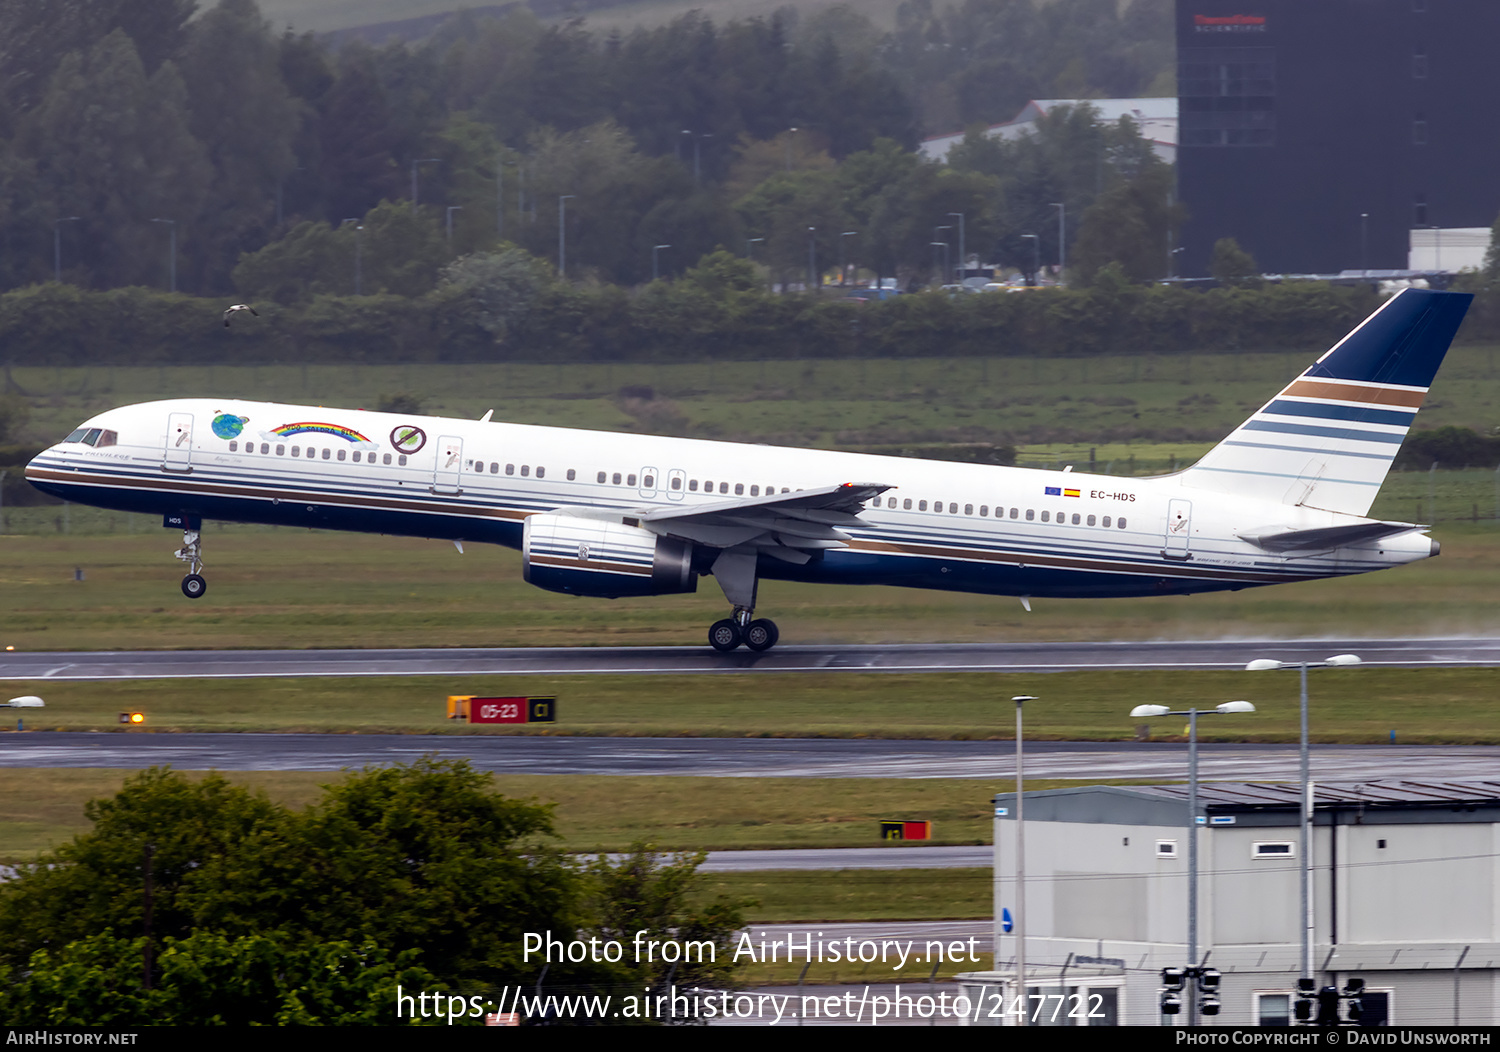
x,y
178,455
447,472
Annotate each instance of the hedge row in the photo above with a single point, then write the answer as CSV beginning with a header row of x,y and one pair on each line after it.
x,y
59,325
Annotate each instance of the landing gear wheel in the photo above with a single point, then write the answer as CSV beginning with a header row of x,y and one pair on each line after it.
x,y
194,586
724,636
761,635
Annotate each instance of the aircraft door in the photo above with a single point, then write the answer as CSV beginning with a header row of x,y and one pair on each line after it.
x,y
676,483
447,472
649,482
1179,529
178,454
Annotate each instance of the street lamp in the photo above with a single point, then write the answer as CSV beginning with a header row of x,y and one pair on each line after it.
x,y
171,252
1036,258
449,217
697,164
1062,238
57,245
812,259
655,272
359,252
417,161
1226,709
562,241
846,233
1021,700
1271,664
963,260
944,246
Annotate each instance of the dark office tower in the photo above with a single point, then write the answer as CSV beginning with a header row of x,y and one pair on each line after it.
x,y
1320,133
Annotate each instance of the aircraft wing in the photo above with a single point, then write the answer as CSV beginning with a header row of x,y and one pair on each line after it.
x,y
788,526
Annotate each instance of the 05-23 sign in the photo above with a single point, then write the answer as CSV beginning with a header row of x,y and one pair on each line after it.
x,y
512,710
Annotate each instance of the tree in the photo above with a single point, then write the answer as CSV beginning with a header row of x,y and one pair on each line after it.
x,y
1232,265
494,290
1128,225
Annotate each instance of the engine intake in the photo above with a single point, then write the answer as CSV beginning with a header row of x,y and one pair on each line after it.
x,y
583,556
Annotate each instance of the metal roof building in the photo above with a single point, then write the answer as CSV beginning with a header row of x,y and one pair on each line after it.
x,y
1406,896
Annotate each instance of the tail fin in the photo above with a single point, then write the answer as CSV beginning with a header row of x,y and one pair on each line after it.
x,y
1328,439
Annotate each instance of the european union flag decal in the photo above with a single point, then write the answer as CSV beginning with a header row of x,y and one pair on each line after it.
x,y
1054,491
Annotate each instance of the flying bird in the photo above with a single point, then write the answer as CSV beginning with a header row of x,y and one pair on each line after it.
x,y
238,307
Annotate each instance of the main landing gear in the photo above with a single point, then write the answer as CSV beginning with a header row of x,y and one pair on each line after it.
x,y
734,569
191,552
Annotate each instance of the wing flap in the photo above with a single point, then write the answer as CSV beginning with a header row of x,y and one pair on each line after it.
x,y
1284,541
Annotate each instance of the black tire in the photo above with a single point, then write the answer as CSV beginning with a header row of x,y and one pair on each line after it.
x,y
724,636
194,586
761,635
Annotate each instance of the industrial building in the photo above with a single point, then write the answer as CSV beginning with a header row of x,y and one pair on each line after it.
x,y
1406,882
1323,136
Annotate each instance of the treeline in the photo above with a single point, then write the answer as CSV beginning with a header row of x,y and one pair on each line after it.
x,y
143,142
506,307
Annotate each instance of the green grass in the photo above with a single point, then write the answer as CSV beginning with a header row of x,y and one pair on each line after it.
x,y
1048,403
1448,705
789,896
302,589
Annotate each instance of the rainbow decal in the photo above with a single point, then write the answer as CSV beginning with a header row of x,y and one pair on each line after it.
x,y
309,427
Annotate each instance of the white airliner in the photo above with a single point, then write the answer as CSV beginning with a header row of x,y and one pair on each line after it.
x,y
1281,499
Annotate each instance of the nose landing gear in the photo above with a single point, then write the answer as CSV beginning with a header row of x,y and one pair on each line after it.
x,y
191,552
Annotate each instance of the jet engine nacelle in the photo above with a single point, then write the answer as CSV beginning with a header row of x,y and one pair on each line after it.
x,y
596,557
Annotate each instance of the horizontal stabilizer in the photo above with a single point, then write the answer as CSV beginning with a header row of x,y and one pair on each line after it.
x,y
1283,541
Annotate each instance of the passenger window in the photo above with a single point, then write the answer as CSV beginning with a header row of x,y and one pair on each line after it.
x,y
525,471
494,468
281,451
601,477
356,456
676,483
1120,522
1031,514
401,460
386,459
296,450
649,482
692,485
1016,511
739,489
755,491
233,446
541,472
984,511
1075,518
953,509
265,447
906,504
572,474
968,509
325,454
1091,520
723,487
616,478
708,487
921,505
341,454
1046,516
630,480
510,469
1106,522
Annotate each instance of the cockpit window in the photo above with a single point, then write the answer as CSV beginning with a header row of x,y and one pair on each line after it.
x,y
94,436
107,438
77,436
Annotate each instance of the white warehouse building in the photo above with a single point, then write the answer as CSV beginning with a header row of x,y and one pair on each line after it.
x,y
1406,897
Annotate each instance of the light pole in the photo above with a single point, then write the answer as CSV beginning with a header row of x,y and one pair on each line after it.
x,y
812,259
1036,258
171,252
655,271
562,241
1062,238
789,133
1226,709
57,245
697,157
1267,665
935,242
417,161
1020,700
449,222
359,247
963,260
1364,244
944,246
846,233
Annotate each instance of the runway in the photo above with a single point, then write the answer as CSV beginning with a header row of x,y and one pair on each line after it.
x,y
744,757
1163,655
